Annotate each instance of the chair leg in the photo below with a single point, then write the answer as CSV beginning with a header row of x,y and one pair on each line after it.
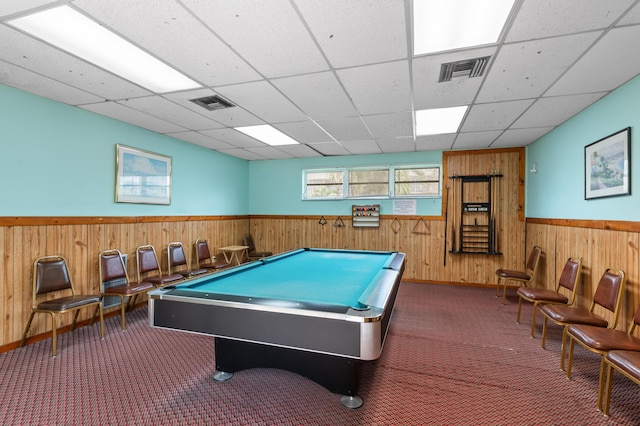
x,y
75,318
504,291
123,306
570,359
600,383
101,321
93,317
564,347
607,399
26,330
54,335
519,309
131,303
544,331
498,287
533,319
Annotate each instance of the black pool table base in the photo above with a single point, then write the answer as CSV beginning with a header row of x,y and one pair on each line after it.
x,y
336,373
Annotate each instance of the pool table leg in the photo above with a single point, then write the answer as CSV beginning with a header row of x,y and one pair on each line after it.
x,y
338,374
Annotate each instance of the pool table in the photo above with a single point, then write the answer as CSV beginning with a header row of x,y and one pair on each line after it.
x,y
315,312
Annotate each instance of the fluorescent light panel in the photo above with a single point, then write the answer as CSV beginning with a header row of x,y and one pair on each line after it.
x,y
439,121
72,31
440,25
267,134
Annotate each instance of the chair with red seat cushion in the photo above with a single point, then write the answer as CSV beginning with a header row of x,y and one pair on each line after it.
x,y
253,254
51,274
564,294
149,268
176,259
625,362
203,257
608,296
524,277
111,265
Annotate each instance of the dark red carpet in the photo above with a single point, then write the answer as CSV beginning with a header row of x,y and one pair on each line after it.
x,y
454,356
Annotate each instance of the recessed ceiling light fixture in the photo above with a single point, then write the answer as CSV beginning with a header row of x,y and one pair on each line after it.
x,y
440,25
75,33
439,121
267,134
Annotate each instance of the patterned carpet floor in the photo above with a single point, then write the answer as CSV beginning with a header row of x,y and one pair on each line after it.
x,y
453,356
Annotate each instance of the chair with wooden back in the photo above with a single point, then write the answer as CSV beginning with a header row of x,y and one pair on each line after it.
x,y
178,263
112,267
523,277
601,340
149,268
564,294
203,257
608,297
51,275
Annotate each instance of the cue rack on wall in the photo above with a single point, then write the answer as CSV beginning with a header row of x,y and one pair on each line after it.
x,y
474,219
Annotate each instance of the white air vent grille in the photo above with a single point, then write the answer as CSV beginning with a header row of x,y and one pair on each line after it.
x,y
468,68
213,102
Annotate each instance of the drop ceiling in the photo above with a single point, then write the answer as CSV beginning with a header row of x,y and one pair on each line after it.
x,y
338,76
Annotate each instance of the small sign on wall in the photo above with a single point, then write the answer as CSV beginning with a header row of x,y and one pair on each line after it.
x,y
404,207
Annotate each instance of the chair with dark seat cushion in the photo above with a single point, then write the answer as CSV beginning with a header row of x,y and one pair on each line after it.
x,y
625,362
524,277
203,257
253,254
112,267
601,340
149,268
608,297
564,294
177,259
51,274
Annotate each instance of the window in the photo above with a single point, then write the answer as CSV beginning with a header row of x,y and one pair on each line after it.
x,y
320,184
417,182
369,183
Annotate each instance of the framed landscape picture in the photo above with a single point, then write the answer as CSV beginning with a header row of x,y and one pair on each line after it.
x,y
607,167
142,177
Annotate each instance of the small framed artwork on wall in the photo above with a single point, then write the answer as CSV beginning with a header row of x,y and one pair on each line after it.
x,y
607,166
142,176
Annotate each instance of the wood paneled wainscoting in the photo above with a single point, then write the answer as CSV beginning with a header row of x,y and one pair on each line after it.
x,y
600,244
80,240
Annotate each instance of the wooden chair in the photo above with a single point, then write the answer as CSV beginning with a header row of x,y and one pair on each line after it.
x,y
51,274
625,362
111,265
176,259
524,277
601,340
564,294
608,296
203,257
148,264
253,254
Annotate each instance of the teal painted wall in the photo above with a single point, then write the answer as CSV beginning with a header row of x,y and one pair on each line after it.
x,y
59,160
275,186
557,189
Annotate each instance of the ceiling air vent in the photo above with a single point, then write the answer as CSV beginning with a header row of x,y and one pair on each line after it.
x,y
463,69
213,103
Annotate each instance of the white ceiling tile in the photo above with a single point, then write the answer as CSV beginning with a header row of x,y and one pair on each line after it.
x,y
318,95
632,17
429,93
233,137
268,34
549,18
610,63
390,125
304,132
166,110
201,139
166,29
520,137
357,32
380,88
389,145
243,153
495,116
476,139
131,116
269,152
29,53
525,70
435,142
9,7
329,148
368,146
555,110
345,129
263,100
43,86
299,151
